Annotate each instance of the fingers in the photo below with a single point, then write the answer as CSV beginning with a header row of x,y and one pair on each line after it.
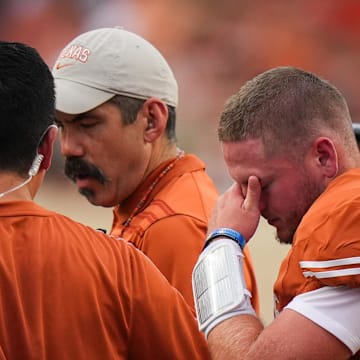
x,y
238,211
253,193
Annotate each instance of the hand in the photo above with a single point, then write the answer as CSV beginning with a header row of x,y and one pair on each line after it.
x,y
237,210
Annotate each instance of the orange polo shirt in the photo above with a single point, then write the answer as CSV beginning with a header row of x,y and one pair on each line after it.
x,y
172,224
70,292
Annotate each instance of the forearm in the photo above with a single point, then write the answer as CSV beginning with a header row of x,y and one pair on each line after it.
x,y
233,338
290,336
222,300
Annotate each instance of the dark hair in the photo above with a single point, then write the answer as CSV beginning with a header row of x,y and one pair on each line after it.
x,y
286,104
27,105
129,108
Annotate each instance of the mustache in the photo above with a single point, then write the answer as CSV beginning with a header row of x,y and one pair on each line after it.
x,y
76,167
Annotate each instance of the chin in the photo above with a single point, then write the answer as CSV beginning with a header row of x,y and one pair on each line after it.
x,y
285,238
90,196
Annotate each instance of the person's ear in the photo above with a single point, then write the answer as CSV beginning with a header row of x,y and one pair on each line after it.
x,y
327,157
155,114
46,147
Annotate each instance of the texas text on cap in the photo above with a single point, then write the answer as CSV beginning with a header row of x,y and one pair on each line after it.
x,y
105,62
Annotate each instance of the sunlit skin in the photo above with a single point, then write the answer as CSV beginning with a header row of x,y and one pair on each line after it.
x,y
120,152
287,189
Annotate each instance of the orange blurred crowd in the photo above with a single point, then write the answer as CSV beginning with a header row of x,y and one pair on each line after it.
x,y
212,46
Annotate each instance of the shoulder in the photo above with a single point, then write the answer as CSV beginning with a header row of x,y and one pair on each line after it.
x,y
327,242
191,193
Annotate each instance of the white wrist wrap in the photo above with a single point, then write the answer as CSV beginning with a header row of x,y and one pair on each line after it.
x,y
219,286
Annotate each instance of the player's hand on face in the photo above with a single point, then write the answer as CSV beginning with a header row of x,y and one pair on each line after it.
x,y
238,209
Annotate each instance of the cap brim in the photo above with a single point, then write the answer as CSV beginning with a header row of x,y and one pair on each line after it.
x,y
74,98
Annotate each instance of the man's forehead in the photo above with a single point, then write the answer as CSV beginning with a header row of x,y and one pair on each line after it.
x,y
72,118
60,116
63,118
247,158
243,151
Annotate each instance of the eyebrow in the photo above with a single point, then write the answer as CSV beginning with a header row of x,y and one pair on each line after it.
x,y
74,119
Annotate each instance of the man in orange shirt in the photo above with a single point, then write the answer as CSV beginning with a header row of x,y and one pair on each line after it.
x,y
116,99
66,290
288,143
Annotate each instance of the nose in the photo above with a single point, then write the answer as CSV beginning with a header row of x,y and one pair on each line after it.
x,y
71,145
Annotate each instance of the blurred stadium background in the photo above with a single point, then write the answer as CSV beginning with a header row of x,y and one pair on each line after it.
x,y
213,47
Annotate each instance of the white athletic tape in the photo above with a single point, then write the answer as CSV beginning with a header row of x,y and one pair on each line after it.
x,y
218,284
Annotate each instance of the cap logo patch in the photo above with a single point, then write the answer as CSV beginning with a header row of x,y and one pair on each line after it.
x,y
60,66
76,52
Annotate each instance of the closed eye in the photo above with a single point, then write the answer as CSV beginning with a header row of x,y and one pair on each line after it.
x,y
87,125
265,184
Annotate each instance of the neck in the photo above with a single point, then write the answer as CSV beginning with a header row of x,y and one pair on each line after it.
x,y
138,208
160,155
16,188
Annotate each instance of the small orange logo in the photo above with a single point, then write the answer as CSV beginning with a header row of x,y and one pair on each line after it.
x,y
60,66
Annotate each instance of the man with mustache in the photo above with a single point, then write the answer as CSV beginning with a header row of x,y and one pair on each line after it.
x,y
288,143
116,100
66,290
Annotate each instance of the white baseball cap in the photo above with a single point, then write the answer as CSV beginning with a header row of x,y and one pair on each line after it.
x,y
102,63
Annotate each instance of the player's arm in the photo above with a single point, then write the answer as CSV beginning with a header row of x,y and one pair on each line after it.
x,y
223,308
290,336
316,325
